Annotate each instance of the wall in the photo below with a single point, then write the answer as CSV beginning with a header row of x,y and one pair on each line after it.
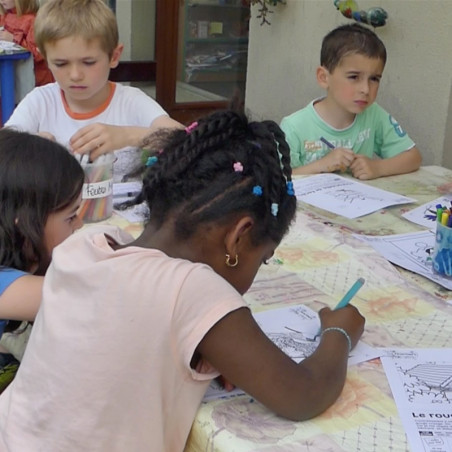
x,y
416,84
136,24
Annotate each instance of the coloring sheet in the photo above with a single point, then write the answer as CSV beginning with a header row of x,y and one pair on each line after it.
x,y
292,329
126,191
412,251
421,383
344,196
425,215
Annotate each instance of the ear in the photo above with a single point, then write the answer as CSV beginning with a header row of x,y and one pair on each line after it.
x,y
237,236
322,76
114,61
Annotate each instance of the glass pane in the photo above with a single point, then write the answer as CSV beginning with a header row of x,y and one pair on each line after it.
x,y
213,50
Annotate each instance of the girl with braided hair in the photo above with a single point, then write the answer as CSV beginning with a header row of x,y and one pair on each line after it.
x,y
142,326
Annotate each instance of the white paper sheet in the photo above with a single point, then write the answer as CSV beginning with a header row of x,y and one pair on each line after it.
x,y
421,383
126,191
425,215
344,196
291,329
412,251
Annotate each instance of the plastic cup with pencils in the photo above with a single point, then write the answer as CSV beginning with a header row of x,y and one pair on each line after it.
x,y
442,255
97,194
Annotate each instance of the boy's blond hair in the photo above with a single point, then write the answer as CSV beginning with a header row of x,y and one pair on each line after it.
x,y
88,19
23,7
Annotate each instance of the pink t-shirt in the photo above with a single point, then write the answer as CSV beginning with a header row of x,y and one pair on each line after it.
x,y
107,366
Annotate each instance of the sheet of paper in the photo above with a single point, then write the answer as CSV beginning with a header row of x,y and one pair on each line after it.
x,y
421,383
291,329
8,46
344,196
425,215
126,191
412,251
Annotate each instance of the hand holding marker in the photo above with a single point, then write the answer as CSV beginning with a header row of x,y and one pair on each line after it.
x,y
345,300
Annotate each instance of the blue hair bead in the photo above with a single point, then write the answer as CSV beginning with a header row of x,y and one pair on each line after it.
x,y
274,209
257,190
151,160
290,190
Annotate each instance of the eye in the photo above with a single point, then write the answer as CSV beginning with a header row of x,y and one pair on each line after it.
x,y
89,63
72,218
375,79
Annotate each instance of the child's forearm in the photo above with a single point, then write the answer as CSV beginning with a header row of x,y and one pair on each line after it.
x,y
405,162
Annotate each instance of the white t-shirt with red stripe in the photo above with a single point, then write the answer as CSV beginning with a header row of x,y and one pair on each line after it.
x,y
45,109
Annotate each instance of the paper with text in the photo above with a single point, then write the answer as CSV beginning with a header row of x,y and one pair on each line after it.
x,y
421,383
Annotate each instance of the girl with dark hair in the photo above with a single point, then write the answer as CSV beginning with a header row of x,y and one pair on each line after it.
x,y
142,326
40,192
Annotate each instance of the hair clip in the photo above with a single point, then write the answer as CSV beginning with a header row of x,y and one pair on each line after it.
x,y
257,190
274,209
255,144
189,129
290,190
238,167
151,160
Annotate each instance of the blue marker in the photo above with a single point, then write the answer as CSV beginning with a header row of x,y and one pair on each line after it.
x,y
350,294
324,140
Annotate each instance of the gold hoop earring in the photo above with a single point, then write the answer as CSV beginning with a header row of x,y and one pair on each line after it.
x,y
232,264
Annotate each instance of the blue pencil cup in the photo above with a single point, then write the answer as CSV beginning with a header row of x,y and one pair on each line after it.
x,y
442,256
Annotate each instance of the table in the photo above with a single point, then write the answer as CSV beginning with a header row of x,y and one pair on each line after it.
x,y
7,80
315,265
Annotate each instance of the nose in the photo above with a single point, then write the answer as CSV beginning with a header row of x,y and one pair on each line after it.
x,y
364,86
75,73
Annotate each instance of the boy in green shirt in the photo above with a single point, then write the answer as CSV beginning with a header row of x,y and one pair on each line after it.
x,y
346,129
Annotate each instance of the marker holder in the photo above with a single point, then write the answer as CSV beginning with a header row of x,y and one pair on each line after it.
x,y
97,193
442,255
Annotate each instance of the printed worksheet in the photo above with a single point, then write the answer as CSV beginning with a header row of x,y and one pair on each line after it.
x,y
425,215
294,330
344,196
421,383
412,251
126,191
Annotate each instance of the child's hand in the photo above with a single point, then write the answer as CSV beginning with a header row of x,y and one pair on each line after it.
x,y
339,159
97,139
6,36
347,318
364,168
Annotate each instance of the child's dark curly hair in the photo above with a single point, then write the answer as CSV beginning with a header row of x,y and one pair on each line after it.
x,y
221,166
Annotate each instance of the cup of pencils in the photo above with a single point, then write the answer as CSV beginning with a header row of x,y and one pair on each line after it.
x,y
97,194
442,255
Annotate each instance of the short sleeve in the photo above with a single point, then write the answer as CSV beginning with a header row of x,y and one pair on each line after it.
x,y
7,277
204,299
296,153
391,139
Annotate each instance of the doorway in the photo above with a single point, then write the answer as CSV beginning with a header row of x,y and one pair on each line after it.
x,y
190,55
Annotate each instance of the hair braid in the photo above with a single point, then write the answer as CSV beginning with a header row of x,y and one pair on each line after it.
x,y
195,176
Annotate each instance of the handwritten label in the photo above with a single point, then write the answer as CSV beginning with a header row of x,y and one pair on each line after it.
x,y
95,190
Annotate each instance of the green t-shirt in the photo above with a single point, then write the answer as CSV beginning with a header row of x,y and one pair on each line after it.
x,y
374,131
